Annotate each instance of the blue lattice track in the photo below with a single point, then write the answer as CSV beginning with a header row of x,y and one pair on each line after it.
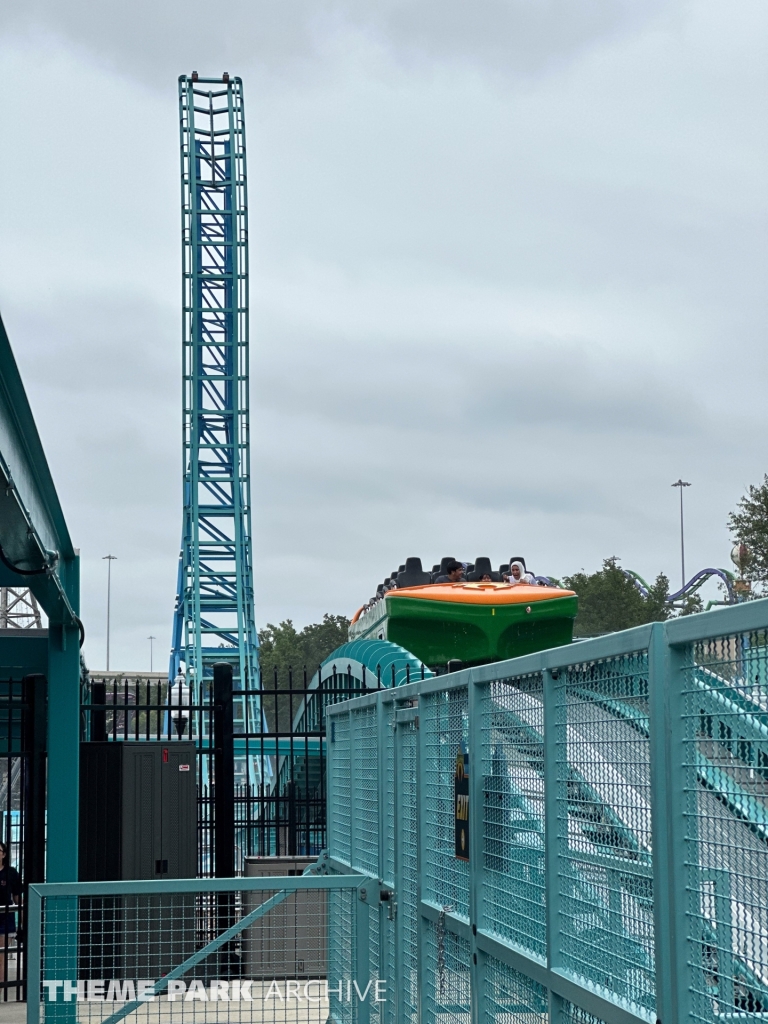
x,y
214,618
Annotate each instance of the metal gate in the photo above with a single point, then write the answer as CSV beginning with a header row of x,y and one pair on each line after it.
x,y
283,814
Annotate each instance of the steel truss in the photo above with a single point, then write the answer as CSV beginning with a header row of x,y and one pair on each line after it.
x,y
214,617
19,609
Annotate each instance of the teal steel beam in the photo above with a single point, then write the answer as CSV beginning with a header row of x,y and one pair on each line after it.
x,y
63,752
681,855
33,533
662,769
36,548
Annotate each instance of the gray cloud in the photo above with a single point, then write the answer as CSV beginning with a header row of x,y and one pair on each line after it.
x,y
511,36
508,268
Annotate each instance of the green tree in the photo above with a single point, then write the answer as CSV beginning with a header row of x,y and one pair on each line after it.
x,y
749,525
283,647
609,600
284,653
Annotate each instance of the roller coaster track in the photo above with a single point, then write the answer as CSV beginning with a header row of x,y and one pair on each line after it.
x,y
617,831
691,587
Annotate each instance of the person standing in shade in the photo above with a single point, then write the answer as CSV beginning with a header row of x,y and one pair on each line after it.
x,y
10,894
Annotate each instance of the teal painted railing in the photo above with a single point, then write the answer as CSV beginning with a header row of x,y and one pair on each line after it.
x,y
292,948
618,829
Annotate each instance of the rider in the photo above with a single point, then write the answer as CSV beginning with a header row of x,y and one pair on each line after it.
x,y
517,571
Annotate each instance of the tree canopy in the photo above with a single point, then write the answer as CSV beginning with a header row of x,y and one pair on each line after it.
x,y
609,601
749,525
283,647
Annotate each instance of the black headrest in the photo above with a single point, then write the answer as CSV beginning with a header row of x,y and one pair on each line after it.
x,y
401,568
413,575
483,568
518,558
444,563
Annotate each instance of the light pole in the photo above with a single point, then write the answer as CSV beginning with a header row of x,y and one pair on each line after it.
x,y
151,640
109,559
681,484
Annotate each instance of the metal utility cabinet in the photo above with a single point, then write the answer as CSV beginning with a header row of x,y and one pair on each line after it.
x,y
138,811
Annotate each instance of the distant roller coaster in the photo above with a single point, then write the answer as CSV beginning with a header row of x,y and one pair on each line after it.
x,y
692,586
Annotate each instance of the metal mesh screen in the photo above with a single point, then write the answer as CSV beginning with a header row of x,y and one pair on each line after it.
x,y
444,720
387,955
606,890
155,957
572,1014
341,935
562,786
407,942
364,781
446,975
386,764
374,959
513,893
726,772
340,789
511,998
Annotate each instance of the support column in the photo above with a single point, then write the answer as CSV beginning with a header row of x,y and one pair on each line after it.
x,y
35,696
674,854
224,770
478,729
224,806
63,752
60,959
555,813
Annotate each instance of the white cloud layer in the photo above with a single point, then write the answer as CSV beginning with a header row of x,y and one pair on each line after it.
x,y
508,265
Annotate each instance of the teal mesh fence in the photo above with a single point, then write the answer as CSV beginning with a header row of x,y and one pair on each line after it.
x,y
512,752
574,837
612,799
277,949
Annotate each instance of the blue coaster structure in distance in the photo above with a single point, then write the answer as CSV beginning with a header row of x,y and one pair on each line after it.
x,y
214,616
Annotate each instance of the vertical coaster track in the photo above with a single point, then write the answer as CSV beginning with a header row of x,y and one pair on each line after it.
x,y
214,615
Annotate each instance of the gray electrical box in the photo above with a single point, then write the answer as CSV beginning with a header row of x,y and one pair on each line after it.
x,y
138,820
291,940
138,810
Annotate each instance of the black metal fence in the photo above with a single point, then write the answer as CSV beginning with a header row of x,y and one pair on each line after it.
x,y
278,749
22,818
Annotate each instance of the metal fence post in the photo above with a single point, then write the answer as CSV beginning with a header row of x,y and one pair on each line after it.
x,y
363,987
384,774
98,719
555,816
224,769
425,1010
477,968
663,909
666,684
34,959
35,696
224,813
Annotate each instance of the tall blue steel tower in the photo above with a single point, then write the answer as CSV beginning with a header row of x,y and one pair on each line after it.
x,y
214,617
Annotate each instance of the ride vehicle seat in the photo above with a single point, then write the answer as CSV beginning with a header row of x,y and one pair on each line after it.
x,y
413,575
442,569
483,568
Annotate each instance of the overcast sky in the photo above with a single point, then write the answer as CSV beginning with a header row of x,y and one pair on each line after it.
x,y
508,264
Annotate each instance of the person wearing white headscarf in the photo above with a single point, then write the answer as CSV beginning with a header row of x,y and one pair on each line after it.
x,y
518,572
